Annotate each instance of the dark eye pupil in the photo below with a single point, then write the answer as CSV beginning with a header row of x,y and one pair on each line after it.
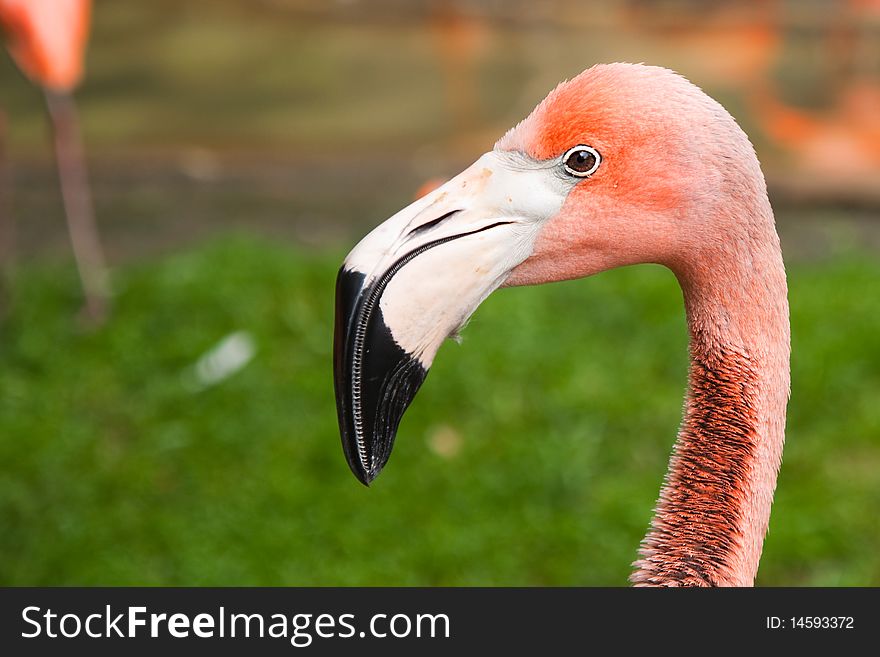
x,y
581,161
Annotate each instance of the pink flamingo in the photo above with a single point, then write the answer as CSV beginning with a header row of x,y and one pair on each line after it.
x,y
47,39
624,164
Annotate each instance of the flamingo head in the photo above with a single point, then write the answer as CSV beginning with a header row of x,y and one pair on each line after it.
x,y
621,165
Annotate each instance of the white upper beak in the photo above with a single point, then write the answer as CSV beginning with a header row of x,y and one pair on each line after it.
x,y
417,278
470,233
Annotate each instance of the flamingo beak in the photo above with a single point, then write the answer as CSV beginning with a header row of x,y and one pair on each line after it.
x,y
416,279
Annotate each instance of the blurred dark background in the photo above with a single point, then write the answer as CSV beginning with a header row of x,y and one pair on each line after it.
x,y
286,116
238,148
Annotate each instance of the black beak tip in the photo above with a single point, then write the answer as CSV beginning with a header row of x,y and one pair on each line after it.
x,y
369,477
375,379
366,477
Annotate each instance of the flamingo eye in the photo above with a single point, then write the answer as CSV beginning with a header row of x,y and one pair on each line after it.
x,y
581,161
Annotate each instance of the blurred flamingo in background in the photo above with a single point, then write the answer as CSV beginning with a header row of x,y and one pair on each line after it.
x,y
832,151
47,40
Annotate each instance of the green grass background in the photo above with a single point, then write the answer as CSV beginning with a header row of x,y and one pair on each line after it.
x,y
532,456
535,451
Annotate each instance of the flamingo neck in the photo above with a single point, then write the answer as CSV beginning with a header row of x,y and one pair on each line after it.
x,y
714,507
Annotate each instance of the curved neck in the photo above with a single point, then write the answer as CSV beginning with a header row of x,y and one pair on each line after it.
x,y
714,507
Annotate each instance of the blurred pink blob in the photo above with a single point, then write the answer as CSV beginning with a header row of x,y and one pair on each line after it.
x,y
48,39
427,187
